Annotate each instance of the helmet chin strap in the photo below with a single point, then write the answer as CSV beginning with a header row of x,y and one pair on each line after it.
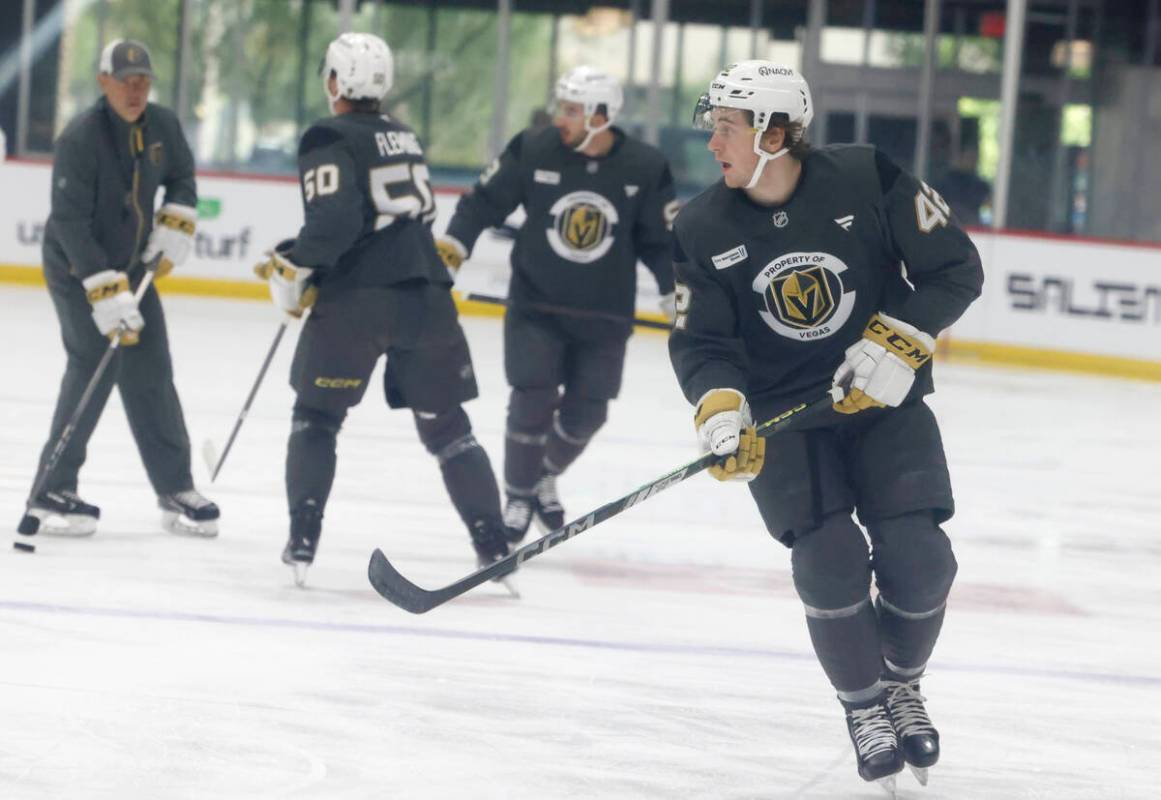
x,y
331,99
590,132
763,158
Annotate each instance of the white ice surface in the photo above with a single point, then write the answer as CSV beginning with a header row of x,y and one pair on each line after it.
x,y
660,655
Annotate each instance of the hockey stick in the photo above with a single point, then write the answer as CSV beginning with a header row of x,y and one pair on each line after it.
x,y
29,524
213,460
578,313
389,583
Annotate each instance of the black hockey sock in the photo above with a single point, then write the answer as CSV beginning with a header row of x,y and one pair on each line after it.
x,y
523,461
907,638
310,457
467,472
470,481
561,450
846,642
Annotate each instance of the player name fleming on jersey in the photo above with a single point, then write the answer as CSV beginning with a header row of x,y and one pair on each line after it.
x,y
394,143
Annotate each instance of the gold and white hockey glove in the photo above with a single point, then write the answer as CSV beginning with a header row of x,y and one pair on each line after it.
x,y
879,369
172,237
114,307
725,428
290,286
452,252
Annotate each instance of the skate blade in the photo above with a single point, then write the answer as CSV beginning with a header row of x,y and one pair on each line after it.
x,y
299,568
920,774
887,784
510,585
74,525
184,526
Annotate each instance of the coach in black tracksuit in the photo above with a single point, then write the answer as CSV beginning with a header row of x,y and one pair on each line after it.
x,y
593,209
109,163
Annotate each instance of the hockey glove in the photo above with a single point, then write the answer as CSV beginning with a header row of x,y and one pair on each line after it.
x,y
113,305
725,428
668,306
452,252
879,368
290,286
172,237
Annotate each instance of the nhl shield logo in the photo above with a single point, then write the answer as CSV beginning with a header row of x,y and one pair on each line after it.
x,y
780,219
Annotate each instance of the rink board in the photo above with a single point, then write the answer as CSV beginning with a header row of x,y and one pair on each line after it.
x,y
1061,303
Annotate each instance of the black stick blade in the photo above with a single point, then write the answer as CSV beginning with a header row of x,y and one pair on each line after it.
x,y
389,583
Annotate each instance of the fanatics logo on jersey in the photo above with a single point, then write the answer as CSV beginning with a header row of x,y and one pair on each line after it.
x,y
845,222
630,191
802,295
781,218
546,176
582,226
730,257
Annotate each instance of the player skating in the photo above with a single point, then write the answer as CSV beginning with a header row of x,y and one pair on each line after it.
x,y
365,263
596,202
789,279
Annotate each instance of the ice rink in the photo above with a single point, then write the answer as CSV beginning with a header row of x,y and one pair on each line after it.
x,y
660,655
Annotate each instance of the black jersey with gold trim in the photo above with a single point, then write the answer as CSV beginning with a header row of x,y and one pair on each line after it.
x,y
588,220
770,297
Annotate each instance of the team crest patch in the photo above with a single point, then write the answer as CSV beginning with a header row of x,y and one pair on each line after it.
x,y
583,226
155,154
802,297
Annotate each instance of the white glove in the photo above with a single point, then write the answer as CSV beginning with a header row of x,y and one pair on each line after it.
x,y
668,306
290,286
725,428
113,305
172,237
879,368
721,414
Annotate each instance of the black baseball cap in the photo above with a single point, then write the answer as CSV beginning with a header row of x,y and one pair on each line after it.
x,y
124,57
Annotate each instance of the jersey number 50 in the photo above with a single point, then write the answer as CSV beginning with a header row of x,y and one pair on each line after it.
x,y
402,190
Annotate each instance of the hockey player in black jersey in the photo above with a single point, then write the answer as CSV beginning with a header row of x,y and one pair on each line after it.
x,y
800,269
365,263
596,202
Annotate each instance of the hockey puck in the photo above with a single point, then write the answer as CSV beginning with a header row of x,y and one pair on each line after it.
x,y
24,547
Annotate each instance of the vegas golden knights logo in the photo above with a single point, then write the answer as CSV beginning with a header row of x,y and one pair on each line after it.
x,y
802,295
802,298
131,55
582,226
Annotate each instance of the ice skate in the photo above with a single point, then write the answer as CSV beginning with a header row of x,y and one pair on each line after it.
x,y
517,517
305,530
549,512
489,538
63,513
876,745
189,513
918,738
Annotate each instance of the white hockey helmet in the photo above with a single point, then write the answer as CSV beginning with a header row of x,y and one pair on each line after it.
x,y
771,92
363,67
591,88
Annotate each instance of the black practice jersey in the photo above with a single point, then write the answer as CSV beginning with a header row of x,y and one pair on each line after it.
x,y
368,204
770,297
589,220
